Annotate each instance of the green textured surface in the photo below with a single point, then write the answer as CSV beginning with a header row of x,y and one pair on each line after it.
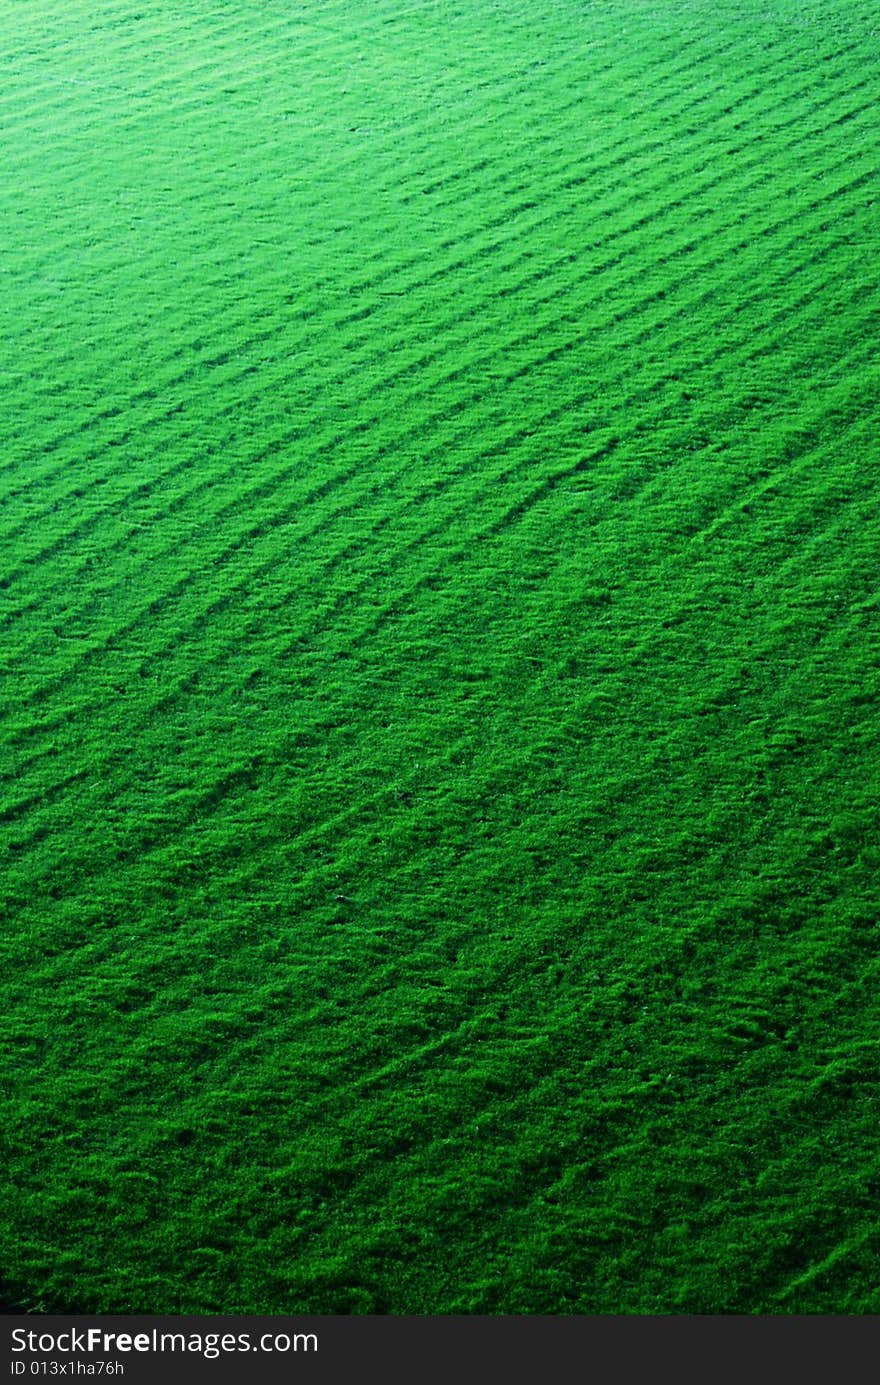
x,y
440,655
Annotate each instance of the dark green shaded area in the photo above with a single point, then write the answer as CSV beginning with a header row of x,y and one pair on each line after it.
x,y
440,657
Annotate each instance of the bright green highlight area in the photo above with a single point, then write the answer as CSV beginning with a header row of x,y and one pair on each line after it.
x,y
440,656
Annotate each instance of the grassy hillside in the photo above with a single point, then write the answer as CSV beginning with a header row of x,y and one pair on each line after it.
x,y
440,655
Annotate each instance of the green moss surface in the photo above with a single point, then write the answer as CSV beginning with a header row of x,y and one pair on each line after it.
x,y
440,656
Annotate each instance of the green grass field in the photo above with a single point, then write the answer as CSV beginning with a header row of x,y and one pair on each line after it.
x,y
440,656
